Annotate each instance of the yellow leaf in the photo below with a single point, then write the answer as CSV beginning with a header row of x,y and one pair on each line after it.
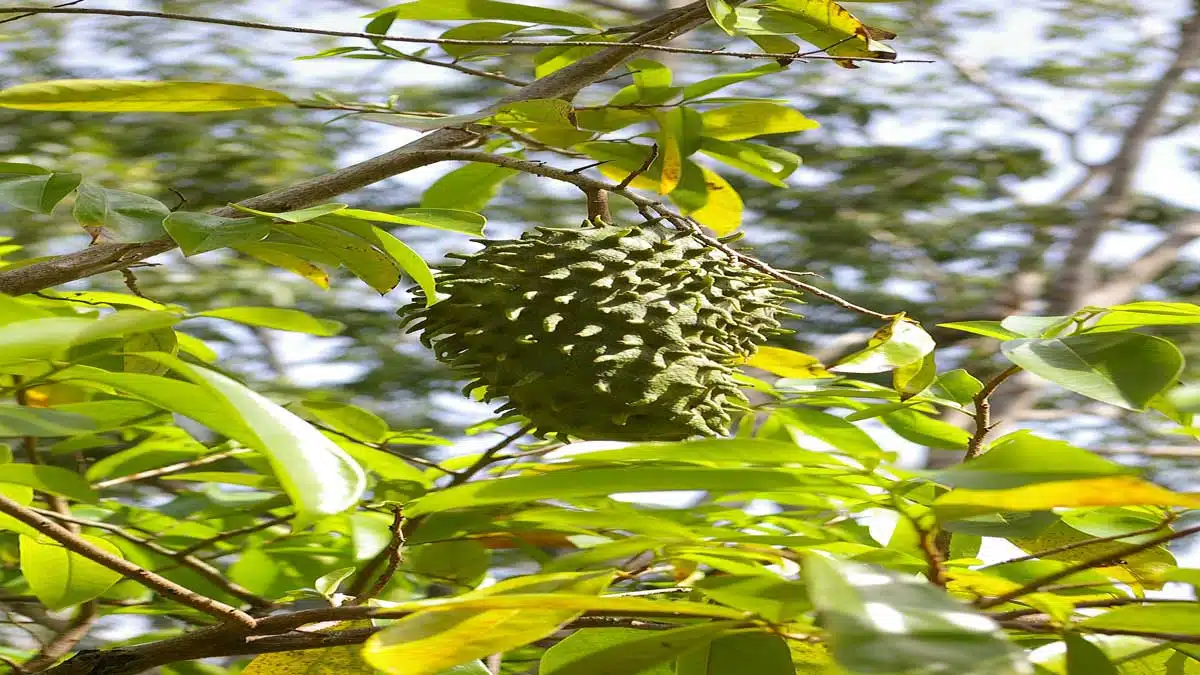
x,y
672,156
830,27
1144,568
430,642
747,120
48,395
786,363
327,661
1107,491
137,96
722,211
288,262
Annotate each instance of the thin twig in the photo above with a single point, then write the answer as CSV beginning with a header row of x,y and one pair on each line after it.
x,y
1091,604
170,468
236,532
63,643
649,161
395,544
29,14
161,585
488,456
1101,561
790,56
983,412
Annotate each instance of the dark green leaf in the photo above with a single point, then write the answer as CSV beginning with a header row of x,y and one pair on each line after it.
x,y
21,421
639,654
1085,658
774,599
1123,369
758,653
36,193
49,479
119,216
583,644
200,232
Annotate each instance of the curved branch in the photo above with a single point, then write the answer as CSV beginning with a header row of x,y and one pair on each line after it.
x,y
568,80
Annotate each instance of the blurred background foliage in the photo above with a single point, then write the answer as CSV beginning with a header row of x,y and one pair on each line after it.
x,y
950,190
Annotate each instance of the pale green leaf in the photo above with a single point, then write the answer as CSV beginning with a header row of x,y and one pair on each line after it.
x,y
135,96
60,578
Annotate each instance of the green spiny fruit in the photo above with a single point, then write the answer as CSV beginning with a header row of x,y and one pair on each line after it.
x,y
604,332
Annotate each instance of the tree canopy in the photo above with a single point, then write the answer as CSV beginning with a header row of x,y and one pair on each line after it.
x,y
221,452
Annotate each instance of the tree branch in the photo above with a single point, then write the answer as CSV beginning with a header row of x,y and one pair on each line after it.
x,y
170,468
62,644
639,43
161,585
1147,267
1076,275
109,257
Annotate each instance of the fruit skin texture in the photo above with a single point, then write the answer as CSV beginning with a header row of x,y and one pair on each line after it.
x,y
604,332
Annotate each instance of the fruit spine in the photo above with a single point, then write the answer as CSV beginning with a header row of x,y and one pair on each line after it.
x,y
604,332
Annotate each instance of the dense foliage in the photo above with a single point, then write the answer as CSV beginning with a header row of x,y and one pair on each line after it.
x,y
157,490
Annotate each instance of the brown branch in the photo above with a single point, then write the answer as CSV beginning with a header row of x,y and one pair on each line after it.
x,y
983,412
62,644
1147,267
639,44
230,534
72,542
1076,275
392,551
488,456
564,82
1091,604
1100,561
170,468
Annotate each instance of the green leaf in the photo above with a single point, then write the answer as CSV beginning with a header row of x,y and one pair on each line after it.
x,y
459,10
134,96
119,216
913,378
831,429
881,622
50,479
1036,326
37,193
1123,369
60,578
409,260
376,268
350,420
275,317
637,655
774,599
1085,658
714,451
463,563
722,14
747,120
299,216
957,385
1106,491
317,475
454,220
605,481
22,495
991,329
470,187
900,343
761,161
426,643
1023,459
786,363
758,653
479,30
201,232
1180,619
21,421
930,432
1138,314
709,85
584,644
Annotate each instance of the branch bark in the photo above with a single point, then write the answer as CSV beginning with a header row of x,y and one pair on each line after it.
x,y
565,82
1076,275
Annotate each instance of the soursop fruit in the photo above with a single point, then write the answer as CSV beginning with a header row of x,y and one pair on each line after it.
x,y
603,332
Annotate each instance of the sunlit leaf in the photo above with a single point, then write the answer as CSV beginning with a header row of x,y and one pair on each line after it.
x,y
60,578
426,643
900,343
458,10
470,187
786,363
1022,458
135,96
1112,491
51,479
1122,369
747,120
278,318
